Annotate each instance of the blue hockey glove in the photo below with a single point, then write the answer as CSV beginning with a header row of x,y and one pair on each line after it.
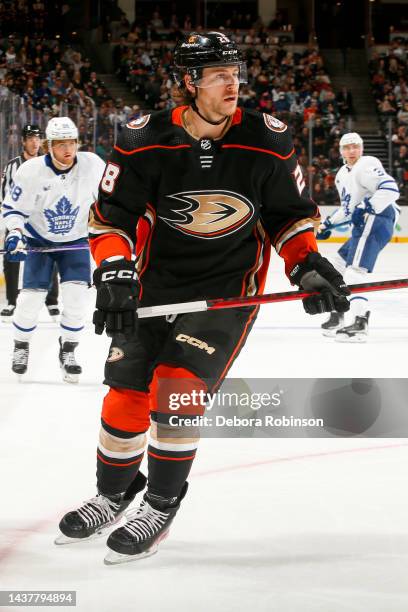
x,y
16,245
316,273
325,230
358,218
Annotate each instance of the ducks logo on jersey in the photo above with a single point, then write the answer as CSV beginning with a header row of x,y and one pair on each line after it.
x,y
209,214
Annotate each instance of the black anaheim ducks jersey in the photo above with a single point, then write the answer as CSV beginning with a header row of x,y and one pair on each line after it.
x,y
201,214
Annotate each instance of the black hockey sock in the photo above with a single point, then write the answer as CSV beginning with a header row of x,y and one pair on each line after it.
x,y
168,470
115,475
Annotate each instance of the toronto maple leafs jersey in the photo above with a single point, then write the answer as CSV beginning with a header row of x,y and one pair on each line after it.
x,y
52,205
202,214
367,185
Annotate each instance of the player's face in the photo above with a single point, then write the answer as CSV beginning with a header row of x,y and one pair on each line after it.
x,y
218,90
64,151
351,153
32,145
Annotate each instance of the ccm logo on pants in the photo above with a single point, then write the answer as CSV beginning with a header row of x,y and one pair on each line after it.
x,y
196,342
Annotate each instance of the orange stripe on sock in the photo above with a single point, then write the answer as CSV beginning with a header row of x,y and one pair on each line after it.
x,y
119,464
170,458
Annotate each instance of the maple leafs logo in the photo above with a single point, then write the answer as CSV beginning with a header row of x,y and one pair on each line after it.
x,y
62,220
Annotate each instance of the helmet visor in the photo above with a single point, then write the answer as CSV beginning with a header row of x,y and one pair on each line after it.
x,y
219,76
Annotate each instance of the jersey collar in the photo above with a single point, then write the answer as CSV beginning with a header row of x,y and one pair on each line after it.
x,y
48,162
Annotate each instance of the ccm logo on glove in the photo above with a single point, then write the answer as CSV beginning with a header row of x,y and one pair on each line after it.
x,y
125,274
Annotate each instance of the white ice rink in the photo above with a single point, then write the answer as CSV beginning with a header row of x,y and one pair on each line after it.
x,y
301,525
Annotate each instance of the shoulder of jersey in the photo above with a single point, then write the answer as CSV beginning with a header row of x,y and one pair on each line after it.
x,y
87,157
268,132
341,171
369,160
32,166
143,132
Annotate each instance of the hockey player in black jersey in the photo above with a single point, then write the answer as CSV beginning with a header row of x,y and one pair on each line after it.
x,y
199,193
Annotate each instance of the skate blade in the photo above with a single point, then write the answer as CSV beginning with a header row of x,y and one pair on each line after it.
x,y
63,540
330,333
7,319
19,376
72,379
357,339
115,558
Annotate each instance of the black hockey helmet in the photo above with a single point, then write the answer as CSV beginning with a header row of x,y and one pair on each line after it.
x,y
195,52
30,130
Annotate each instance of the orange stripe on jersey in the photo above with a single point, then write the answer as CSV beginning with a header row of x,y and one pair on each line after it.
x,y
259,279
238,346
170,458
100,215
237,118
245,285
263,270
293,223
146,248
150,147
176,115
109,245
119,464
296,249
258,149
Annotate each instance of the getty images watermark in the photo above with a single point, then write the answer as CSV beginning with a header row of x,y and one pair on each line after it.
x,y
241,408
291,408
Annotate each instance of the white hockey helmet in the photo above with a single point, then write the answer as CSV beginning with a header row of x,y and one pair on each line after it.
x,y
61,128
351,138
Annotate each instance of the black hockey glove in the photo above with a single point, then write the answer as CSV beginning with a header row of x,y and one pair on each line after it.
x,y
316,273
117,290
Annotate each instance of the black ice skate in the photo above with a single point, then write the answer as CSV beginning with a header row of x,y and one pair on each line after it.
x,y
20,357
97,515
145,528
54,312
69,367
357,332
7,313
333,323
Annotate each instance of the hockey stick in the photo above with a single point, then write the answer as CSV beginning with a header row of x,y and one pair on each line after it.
x,y
268,298
56,249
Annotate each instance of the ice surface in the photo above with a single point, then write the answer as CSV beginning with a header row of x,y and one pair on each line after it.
x,y
302,525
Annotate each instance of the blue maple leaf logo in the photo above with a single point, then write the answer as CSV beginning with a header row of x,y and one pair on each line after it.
x,y
62,220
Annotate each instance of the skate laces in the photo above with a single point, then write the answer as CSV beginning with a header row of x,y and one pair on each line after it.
x,y
20,356
98,510
68,358
145,521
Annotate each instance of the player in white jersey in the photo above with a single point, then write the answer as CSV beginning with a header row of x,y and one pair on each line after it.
x,y
368,198
48,206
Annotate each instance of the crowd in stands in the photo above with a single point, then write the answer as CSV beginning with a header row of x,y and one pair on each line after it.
x,y
56,79
389,82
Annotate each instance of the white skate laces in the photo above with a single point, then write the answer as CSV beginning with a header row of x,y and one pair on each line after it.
x,y
144,522
20,356
98,510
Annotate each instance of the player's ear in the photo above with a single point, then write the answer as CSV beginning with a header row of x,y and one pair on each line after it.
x,y
189,84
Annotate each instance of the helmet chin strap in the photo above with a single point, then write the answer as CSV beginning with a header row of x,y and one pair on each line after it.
x,y
195,109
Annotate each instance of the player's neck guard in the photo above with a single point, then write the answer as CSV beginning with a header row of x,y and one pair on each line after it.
x,y
195,109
